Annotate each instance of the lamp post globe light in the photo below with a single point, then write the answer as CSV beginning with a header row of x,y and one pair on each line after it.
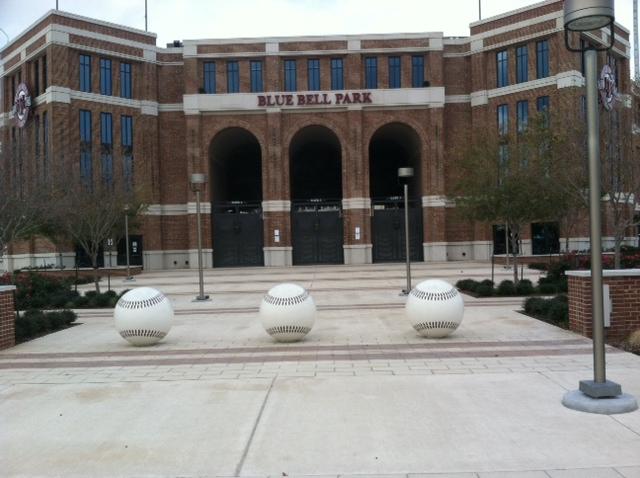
x,y
598,395
197,180
405,174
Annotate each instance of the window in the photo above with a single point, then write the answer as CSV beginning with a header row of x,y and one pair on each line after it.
x,y
209,77
125,80
503,120
417,71
522,64
45,145
44,72
371,72
337,74
86,169
36,146
126,123
85,73
313,74
257,84
233,77
290,79
106,147
522,112
394,72
542,106
105,77
502,69
36,78
542,59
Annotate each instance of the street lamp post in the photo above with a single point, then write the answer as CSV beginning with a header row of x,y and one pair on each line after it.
x,y
126,240
197,180
598,395
405,174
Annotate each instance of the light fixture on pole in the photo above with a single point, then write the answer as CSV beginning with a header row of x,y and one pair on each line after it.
x,y
126,241
598,395
197,180
405,174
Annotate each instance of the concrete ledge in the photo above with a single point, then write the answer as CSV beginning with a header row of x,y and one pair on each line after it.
x,y
607,273
7,288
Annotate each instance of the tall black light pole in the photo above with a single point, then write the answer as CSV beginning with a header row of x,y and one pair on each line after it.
x,y
405,174
598,395
197,180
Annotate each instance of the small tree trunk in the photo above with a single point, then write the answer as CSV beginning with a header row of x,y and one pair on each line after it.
x,y
96,276
616,257
513,239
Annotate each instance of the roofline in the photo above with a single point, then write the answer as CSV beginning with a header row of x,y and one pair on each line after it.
x,y
512,12
77,17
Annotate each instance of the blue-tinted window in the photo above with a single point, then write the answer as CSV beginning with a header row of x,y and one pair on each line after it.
x,y
522,115
209,77
502,69
313,74
126,89
371,72
522,64
337,74
257,84
290,76
394,72
105,77
86,168
417,71
542,105
503,120
106,146
85,73
127,149
233,77
542,59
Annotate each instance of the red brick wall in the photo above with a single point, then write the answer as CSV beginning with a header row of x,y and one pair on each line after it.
x,y
625,299
7,319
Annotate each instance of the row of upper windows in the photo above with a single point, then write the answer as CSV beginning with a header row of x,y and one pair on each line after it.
x,y
291,68
522,114
522,63
106,77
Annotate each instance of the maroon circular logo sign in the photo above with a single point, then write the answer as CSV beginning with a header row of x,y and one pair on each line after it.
x,y
608,89
21,105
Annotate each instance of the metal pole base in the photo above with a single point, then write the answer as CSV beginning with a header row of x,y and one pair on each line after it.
x,y
576,400
202,298
606,389
404,292
129,279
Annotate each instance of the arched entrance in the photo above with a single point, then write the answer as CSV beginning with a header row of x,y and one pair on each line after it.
x,y
316,196
394,146
236,192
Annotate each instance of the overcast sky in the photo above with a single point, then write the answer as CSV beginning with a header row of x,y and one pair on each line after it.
x,y
193,19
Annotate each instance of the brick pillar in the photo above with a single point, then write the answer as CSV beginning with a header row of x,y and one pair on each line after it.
x,y
7,317
624,291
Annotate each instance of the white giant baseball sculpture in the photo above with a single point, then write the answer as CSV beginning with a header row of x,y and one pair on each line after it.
x,y
287,312
434,308
143,316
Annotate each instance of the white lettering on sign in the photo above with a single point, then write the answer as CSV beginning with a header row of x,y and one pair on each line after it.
x,y
315,99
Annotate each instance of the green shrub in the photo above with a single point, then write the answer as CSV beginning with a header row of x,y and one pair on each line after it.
x,y
484,290
81,301
111,293
69,316
525,287
538,266
56,320
488,282
536,306
467,284
90,293
102,300
506,288
559,310
23,329
547,288
34,322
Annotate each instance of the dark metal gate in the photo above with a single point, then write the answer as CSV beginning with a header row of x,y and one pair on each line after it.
x,y
135,251
388,230
237,234
316,228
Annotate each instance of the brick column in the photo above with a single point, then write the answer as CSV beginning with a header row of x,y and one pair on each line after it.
x,y
7,317
624,291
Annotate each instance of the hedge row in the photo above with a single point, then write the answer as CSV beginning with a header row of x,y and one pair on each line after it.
x,y
33,323
554,311
506,288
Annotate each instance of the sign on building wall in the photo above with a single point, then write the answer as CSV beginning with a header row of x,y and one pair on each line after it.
x,y
315,99
21,105
607,87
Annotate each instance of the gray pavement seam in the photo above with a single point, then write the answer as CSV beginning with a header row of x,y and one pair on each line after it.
x,y
245,452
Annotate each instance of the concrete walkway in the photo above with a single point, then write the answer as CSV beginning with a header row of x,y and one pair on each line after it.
x,y
363,395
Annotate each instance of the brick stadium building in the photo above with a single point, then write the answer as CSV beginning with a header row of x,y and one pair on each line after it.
x,y
300,138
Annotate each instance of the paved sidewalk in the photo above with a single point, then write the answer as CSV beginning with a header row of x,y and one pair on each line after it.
x,y
362,395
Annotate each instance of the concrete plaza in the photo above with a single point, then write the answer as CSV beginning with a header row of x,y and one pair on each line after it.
x,y
362,395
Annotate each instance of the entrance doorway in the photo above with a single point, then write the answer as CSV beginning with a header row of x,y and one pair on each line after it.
x,y
392,147
236,208
316,196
